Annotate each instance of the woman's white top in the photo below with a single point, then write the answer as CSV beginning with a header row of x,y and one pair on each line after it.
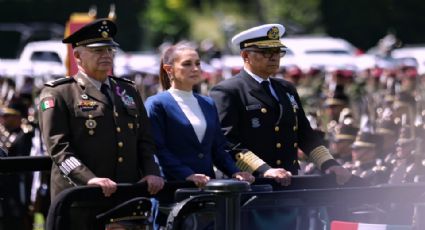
x,y
191,108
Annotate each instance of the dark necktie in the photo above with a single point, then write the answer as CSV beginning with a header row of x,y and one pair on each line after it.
x,y
105,90
266,87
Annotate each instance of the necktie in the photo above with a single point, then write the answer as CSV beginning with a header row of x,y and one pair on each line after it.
x,y
105,90
266,87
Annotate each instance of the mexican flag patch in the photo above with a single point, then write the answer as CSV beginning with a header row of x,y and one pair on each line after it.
x,y
47,103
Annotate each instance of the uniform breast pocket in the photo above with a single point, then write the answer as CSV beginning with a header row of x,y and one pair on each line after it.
x,y
133,119
254,115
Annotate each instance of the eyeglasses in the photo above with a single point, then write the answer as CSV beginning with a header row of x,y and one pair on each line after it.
x,y
268,53
102,50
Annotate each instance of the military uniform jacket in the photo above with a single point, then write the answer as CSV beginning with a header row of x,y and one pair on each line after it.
x,y
87,137
253,120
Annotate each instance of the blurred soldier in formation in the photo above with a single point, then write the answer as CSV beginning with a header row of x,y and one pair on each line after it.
x,y
365,163
15,138
408,162
334,104
340,145
388,132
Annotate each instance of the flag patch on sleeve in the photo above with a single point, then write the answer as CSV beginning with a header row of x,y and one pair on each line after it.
x,y
47,103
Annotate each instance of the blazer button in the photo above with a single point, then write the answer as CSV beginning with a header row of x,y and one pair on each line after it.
x,y
263,110
295,145
295,128
118,129
120,144
278,145
115,114
120,159
276,128
201,155
278,162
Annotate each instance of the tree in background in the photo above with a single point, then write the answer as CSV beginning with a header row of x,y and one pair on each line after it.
x,y
165,21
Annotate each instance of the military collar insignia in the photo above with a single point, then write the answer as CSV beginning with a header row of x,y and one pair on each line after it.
x,y
273,33
293,101
125,98
255,122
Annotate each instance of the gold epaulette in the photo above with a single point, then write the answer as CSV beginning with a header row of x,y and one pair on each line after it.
x,y
320,155
248,161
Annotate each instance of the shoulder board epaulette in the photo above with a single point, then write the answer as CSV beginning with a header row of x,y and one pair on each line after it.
x,y
59,81
123,79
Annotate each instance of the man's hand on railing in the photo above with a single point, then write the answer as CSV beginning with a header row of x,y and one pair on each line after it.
x,y
155,183
341,173
280,175
108,186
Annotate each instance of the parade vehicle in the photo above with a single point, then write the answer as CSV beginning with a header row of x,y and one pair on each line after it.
x,y
233,205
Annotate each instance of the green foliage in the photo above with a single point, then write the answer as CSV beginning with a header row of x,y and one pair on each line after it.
x,y
165,20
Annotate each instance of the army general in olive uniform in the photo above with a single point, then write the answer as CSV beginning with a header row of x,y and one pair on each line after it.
x,y
94,125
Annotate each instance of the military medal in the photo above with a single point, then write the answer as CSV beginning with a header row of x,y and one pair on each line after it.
x,y
293,101
91,124
126,99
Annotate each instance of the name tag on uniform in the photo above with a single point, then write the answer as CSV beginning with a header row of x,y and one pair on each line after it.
x,y
252,107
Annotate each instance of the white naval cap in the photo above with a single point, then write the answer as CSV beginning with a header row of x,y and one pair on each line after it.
x,y
264,36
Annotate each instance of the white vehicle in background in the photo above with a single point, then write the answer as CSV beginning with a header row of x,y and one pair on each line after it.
x,y
316,51
417,52
45,60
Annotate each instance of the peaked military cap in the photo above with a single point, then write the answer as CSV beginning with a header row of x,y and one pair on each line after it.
x,y
14,107
365,139
346,132
264,36
100,32
135,210
337,97
387,127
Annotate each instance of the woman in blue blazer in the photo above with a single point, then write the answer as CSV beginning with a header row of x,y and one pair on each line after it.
x,y
185,125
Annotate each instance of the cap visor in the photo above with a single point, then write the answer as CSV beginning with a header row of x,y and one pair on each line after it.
x,y
103,43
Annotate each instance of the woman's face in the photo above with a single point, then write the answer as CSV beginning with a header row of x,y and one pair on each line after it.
x,y
186,70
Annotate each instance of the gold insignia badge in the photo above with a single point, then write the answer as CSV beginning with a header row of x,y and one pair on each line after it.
x,y
104,34
273,33
91,124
